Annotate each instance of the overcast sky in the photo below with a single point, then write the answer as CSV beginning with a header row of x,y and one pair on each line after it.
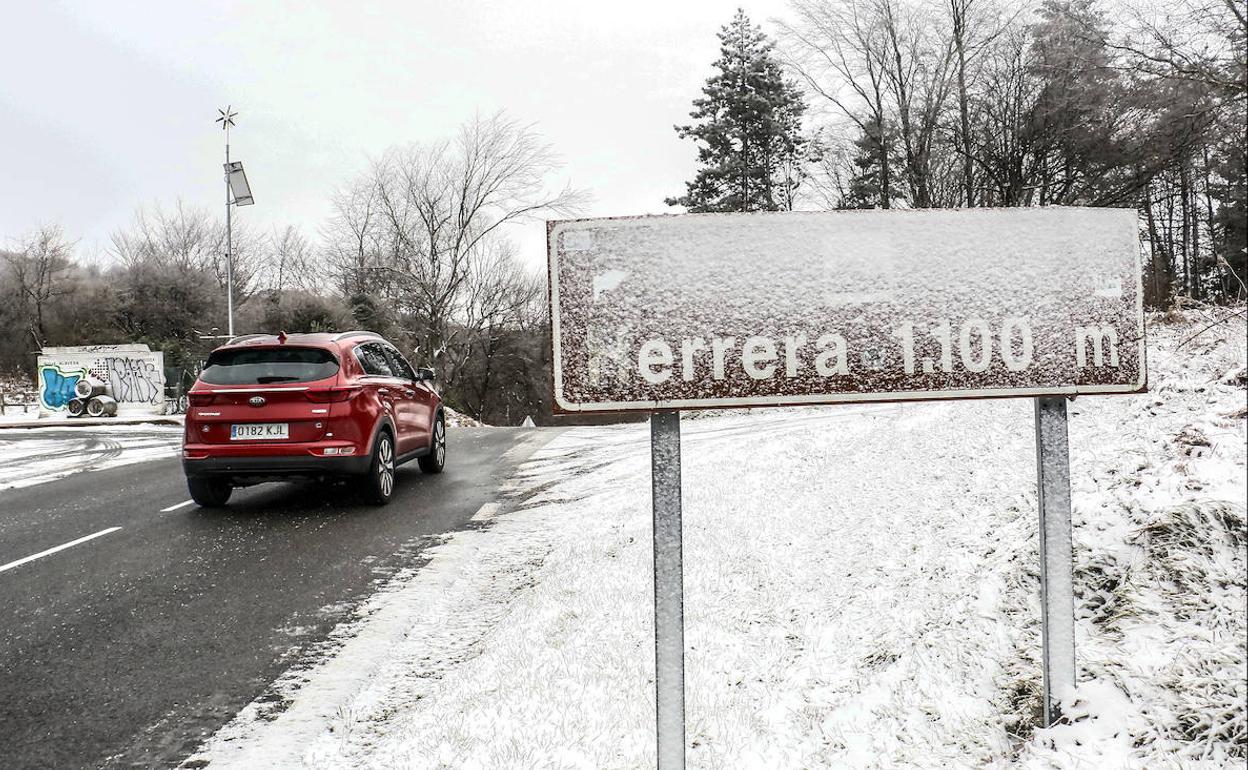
x,y
108,106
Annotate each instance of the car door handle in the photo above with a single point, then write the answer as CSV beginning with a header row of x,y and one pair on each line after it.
x,y
384,391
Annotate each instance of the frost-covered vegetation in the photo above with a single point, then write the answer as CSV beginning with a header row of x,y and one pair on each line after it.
x,y
1160,562
964,103
861,592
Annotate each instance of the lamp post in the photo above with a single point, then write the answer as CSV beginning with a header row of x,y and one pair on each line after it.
x,y
237,193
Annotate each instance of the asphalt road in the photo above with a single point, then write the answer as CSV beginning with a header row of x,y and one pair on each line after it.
x,y
128,649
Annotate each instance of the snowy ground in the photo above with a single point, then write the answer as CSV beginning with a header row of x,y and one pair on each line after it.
x,y
458,420
861,592
38,454
19,414
32,418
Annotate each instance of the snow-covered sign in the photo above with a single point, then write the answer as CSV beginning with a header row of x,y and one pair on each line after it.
x,y
723,310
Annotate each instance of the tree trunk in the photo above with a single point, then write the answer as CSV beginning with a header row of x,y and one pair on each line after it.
x,y
39,325
1194,234
1210,222
886,186
1159,265
964,112
1189,279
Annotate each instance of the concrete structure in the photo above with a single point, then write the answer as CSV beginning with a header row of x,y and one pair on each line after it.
x,y
133,375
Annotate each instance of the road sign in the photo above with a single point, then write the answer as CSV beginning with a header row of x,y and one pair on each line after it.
x,y
728,310
701,311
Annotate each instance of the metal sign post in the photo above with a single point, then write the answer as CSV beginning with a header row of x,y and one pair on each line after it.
x,y
669,591
1057,606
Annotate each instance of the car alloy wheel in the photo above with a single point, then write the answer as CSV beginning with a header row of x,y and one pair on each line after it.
x,y
434,461
385,466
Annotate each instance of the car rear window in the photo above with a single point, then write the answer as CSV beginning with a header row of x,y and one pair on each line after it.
x,y
265,366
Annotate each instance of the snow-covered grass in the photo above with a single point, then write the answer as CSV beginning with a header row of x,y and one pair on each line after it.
x,y
861,592
39,454
15,416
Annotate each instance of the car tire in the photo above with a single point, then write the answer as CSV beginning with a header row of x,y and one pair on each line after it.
x,y
378,484
435,461
209,493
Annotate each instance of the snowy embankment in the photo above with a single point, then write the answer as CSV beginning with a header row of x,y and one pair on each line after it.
x,y
861,592
36,455
457,420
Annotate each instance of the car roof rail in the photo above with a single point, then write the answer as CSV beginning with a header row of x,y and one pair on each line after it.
x,y
345,335
245,337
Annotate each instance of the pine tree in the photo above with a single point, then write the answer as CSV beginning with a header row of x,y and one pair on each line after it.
x,y
870,185
1075,118
748,129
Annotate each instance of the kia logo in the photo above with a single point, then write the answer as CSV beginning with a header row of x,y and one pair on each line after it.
x,y
257,401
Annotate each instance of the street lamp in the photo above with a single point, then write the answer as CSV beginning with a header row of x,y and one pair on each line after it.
x,y
237,193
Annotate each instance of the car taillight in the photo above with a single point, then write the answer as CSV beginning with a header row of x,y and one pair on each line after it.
x,y
327,395
200,399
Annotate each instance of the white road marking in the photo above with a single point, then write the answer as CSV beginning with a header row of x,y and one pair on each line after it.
x,y
70,544
176,507
486,512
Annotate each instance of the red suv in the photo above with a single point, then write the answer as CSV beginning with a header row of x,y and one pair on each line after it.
x,y
270,408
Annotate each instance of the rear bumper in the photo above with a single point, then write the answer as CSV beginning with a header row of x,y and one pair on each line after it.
x,y
307,466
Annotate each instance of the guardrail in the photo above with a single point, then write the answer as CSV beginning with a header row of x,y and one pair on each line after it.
x,y
8,405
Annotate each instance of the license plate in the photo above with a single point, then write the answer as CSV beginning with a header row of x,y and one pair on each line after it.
x,y
265,431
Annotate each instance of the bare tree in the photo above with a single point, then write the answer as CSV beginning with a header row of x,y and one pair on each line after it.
x,y
427,221
836,47
1006,156
352,237
38,266
290,262
1201,41
1074,104
919,65
879,63
501,299
974,27
189,238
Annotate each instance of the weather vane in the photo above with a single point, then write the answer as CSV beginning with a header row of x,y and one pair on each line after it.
x,y
227,117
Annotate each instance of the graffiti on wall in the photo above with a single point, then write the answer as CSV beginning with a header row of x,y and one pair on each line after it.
x,y
131,374
134,380
56,386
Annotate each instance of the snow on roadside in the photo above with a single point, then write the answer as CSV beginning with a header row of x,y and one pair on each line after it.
x,y
16,417
861,591
455,419
35,419
31,456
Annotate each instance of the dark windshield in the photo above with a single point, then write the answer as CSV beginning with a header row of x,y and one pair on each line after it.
x,y
266,366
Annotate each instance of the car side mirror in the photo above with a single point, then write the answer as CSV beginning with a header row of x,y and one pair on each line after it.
x,y
424,373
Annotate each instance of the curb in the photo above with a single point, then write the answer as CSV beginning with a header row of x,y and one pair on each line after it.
x,y
88,423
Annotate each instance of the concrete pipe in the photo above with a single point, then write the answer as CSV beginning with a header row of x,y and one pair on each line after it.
x,y
102,406
76,407
88,387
